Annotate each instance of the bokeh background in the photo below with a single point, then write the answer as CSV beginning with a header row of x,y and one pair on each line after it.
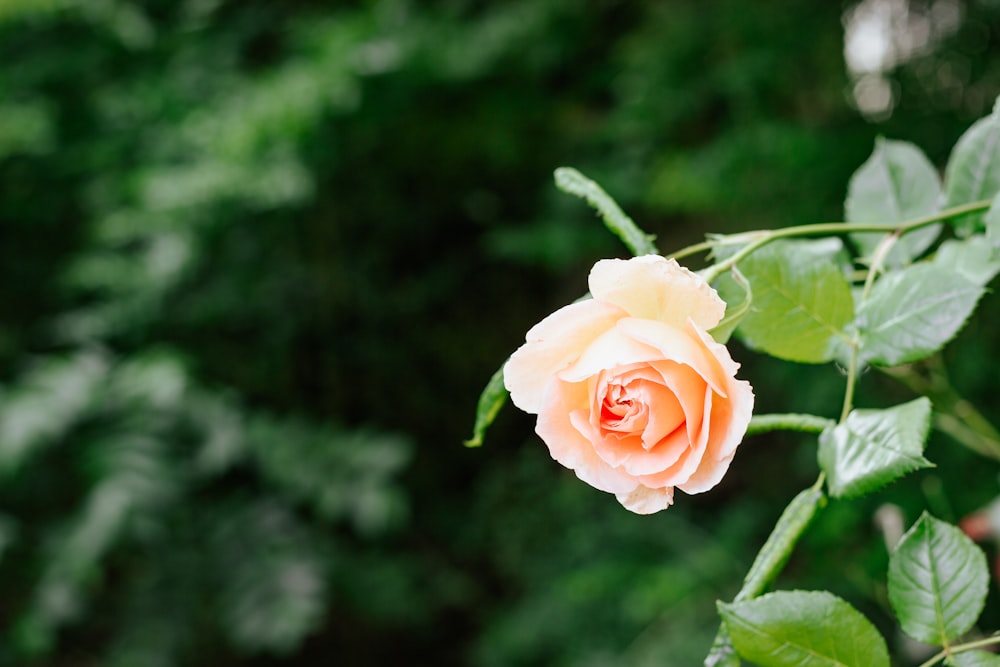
x,y
257,259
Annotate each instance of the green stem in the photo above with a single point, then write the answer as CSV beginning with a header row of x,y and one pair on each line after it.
x,y
961,648
762,238
788,422
852,365
881,252
852,377
716,270
704,246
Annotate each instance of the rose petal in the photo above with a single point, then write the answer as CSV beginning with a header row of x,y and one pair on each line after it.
x,y
620,402
561,424
551,345
740,394
728,425
666,413
689,388
644,500
718,351
685,346
664,456
658,289
631,391
687,464
634,341
611,350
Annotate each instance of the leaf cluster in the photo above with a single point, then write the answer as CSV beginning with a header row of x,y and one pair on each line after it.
x,y
937,583
868,299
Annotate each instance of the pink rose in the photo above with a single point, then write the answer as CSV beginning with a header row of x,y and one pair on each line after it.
x,y
630,390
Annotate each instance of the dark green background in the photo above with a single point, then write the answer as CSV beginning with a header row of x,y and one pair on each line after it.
x,y
257,259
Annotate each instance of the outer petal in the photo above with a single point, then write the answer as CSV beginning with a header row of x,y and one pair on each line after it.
x,y
553,344
727,429
740,395
689,388
658,289
727,426
571,446
634,341
644,500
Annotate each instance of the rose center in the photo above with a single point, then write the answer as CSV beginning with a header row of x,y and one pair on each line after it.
x,y
621,408
640,407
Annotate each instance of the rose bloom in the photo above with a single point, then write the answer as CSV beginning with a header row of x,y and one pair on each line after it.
x,y
630,390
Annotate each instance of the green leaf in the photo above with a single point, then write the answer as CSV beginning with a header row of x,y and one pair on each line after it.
x,y
974,659
803,629
774,554
571,181
769,561
913,312
801,302
972,257
722,653
490,401
895,184
973,170
874,447
735,291
938,581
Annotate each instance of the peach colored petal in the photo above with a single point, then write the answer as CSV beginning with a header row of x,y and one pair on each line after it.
x,y
727,427
644,500
636,399
610,350
688,463
631,391
707,477
616,450
742,399
551,345
620,403
655,288
666,413
644,463
685,346
563,415
689,388
717,350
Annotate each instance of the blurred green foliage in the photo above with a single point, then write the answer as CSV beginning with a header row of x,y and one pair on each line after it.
x,y
258,258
